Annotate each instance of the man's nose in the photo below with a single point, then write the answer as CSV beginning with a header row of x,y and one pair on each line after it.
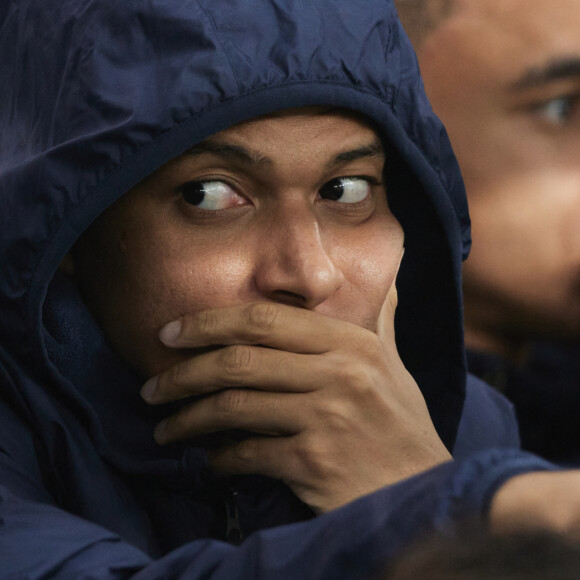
x,y
295,266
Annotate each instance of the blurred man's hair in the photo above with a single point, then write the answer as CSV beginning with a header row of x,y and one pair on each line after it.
x,y
420,17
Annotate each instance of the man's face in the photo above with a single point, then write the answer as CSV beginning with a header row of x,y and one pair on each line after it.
x,y
288,208
504,77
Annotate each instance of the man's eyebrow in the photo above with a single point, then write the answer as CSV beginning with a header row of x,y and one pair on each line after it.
x,y
371,150
554,70
229,151
252,157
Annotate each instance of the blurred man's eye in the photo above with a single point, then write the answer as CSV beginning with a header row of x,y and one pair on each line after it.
x,y
558,110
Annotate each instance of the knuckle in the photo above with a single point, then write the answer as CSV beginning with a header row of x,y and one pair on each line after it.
x,y
375,348
174,377
335,415
206,322
369,347
176,425
238,360
262,318
362,383
354,378
229,402
245,452
313,456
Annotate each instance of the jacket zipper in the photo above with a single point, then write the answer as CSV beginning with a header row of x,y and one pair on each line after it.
x,y
234,533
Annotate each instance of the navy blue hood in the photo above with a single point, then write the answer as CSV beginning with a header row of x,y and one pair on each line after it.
x,y
107,91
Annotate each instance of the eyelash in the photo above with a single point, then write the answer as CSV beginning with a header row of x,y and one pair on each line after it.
x,y
209,214
541,109
373,183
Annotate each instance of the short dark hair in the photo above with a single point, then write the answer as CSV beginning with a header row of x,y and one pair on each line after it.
x,y
420,17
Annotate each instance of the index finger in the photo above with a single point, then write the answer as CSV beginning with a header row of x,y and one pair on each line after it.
x,y
260,323
386,325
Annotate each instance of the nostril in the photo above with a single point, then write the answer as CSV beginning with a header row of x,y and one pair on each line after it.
x,y
289,298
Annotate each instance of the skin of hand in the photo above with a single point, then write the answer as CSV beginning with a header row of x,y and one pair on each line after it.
x,y
538,501
330,407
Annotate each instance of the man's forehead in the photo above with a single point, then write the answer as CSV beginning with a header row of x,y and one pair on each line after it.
x,y
360,131
509,38
533,20
329,135
309,111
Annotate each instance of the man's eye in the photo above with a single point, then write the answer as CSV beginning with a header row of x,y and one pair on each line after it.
x,y
210,195
346,189
558,110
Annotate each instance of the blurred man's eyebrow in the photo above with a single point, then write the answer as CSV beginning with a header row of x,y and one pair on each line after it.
x,y
252,157
554,70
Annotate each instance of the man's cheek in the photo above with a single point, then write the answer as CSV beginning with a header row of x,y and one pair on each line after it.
x,y
364,305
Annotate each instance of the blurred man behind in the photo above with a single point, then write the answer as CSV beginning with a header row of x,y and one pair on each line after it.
x,y
504,77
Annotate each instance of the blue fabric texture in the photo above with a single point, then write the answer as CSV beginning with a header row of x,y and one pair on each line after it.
x,y
97,94
545,392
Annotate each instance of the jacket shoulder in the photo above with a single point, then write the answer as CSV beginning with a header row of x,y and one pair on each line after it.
x,y
488,420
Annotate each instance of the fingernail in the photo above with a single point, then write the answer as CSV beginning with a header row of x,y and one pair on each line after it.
x,y
149,388
170,332
159,432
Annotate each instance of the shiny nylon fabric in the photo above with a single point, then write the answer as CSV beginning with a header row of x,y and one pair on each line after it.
x,y
108,91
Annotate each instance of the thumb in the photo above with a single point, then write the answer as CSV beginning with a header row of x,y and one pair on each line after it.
x,y
386,322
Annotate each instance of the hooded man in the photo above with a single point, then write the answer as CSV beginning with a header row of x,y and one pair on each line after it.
x,y
206,206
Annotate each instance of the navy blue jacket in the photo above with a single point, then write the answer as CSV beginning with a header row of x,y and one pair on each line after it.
x,y
545,392
96,94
